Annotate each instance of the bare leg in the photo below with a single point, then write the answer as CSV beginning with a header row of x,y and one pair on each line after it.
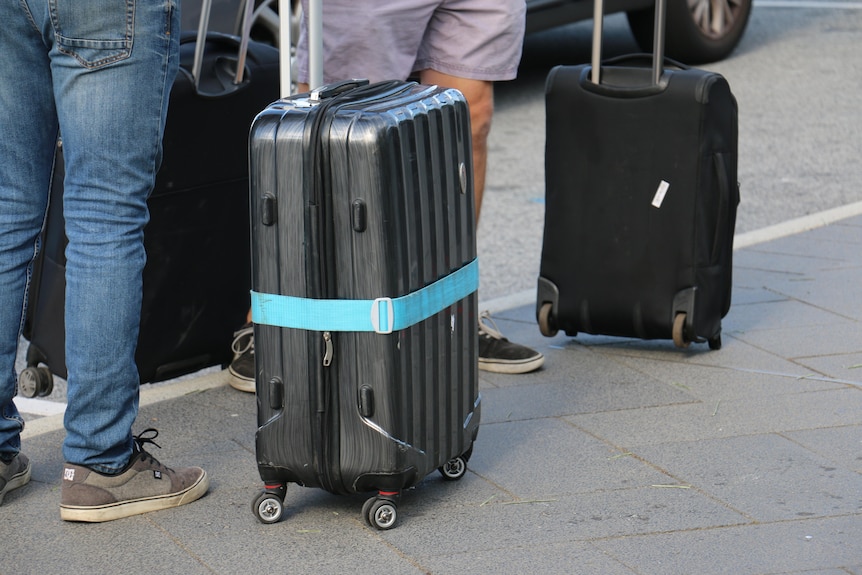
x,y
480,98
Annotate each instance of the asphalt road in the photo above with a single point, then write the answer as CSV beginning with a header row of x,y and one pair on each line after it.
x,y
797,77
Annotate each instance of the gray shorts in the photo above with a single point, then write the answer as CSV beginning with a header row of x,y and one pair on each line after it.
x,y
393,39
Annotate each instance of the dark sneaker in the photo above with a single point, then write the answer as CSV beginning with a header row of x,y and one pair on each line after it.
x,y
498,354
144,485
241,368
14,474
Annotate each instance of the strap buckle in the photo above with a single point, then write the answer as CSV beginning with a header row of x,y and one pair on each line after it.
x,y
383,315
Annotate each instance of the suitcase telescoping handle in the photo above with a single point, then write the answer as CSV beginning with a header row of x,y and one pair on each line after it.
x,y
658,41
200,46
315,44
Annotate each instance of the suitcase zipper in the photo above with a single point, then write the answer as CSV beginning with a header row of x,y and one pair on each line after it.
x,y
327,349
328,416
328,447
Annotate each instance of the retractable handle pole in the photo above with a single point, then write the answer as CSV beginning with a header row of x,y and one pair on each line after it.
x,y
285,47
243,43
200,45
315,45
658,41
598,20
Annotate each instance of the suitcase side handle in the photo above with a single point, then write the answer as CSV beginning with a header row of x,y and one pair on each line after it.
x,y
724,200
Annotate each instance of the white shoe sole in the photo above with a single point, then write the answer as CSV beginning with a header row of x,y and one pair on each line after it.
x,y
100,513
512,367
239,382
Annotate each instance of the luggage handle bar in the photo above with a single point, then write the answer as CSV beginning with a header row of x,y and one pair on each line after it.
x,y
315,45
658,41
203,27
244,40
285,47
667,62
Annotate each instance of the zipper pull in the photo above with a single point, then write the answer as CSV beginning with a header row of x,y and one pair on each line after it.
x,y
327,349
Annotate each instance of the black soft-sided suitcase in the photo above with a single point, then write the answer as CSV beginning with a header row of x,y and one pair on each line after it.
x,y
197,278
641,196
363,224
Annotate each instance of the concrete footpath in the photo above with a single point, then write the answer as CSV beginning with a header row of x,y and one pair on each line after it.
x,y
618,457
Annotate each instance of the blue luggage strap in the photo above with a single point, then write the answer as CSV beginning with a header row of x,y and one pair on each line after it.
x,y
382,315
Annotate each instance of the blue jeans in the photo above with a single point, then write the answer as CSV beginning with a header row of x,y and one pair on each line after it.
x,y
98,73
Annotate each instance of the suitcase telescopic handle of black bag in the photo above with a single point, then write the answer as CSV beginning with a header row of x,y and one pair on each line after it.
x,y
200,46
658,41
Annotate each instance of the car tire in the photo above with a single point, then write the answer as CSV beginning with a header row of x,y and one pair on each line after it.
x,y
688,38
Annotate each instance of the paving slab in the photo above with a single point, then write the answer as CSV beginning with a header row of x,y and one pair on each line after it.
x,y
620,457
829,545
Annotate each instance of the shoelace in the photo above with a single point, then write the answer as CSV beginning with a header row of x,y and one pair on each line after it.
x,y
489,330
239,349
148,436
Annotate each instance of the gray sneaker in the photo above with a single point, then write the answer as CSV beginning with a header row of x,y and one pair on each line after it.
x,y
498,354
241,369
14,474
144,485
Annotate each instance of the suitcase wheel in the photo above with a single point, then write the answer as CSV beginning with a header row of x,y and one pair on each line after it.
x,y
268,506
715,342
679,337
456,468
35,381
547,324
380,511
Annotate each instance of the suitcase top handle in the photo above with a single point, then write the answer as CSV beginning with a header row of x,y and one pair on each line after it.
x,y
356,90
337,88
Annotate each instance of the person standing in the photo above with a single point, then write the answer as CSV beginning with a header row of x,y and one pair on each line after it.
x,y
97,74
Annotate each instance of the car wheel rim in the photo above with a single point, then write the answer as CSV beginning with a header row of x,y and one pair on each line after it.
x,y
714,18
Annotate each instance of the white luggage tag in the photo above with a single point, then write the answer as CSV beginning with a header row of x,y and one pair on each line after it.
x,y
660,193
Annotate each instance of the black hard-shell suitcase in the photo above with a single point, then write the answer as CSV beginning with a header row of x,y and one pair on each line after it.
x,y
362,225
197,278
641,197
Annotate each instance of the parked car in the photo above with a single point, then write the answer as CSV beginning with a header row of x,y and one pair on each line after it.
x,y
697,31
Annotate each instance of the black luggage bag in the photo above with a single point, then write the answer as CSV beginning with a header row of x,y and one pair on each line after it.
x,y
364,274
197,278
641,197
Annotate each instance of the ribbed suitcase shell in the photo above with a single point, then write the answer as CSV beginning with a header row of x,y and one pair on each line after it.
x,y
373,199
612,262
